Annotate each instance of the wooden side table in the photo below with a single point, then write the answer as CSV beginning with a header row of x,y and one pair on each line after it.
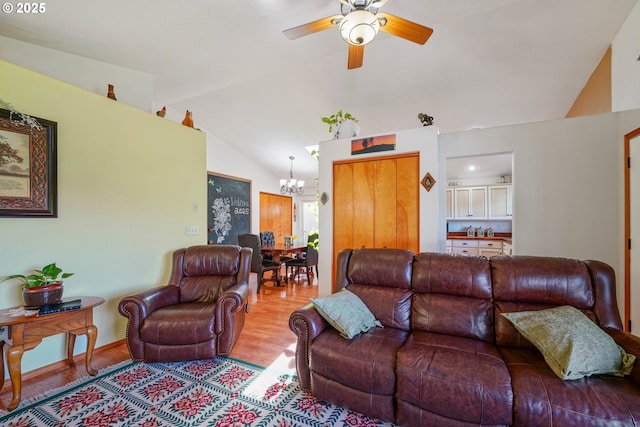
x,y
21,333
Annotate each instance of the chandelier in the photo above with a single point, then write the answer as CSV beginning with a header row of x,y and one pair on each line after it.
x,y
291,185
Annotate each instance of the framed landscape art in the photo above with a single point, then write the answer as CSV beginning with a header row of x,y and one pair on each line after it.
x,y
28,170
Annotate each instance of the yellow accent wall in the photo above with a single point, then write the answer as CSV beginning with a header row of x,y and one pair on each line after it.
x,y
129,183
595,97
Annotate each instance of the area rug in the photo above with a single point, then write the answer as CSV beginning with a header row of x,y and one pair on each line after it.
x,y
218,392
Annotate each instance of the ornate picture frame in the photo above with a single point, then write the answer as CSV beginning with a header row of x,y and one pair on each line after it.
x,y
28,166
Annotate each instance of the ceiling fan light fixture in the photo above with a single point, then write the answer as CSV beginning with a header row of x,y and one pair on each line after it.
x,y
359,27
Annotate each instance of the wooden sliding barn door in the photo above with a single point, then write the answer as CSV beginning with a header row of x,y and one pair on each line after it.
x,y
275,215
376,203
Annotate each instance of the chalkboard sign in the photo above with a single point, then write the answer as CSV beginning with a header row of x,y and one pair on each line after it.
x,y
228,208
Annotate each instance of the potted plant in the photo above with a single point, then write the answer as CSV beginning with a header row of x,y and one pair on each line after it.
x,y
42,286
344,124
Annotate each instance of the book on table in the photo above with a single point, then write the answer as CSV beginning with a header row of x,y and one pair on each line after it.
x,y
60,306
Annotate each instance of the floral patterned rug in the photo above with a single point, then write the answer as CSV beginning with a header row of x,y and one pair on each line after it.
x,y
219,392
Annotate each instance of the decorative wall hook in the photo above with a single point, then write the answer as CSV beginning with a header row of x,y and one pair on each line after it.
x,y
428,181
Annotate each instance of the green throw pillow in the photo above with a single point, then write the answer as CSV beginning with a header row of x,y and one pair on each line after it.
x,y
346,312
572,345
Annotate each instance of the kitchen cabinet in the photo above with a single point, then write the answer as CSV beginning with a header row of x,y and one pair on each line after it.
x,y
489,248
500,202
507,248
463,247
475,247
470,202
449,202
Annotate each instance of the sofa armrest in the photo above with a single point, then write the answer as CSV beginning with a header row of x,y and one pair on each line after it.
x,y
630,344
231,307
307,324
137,307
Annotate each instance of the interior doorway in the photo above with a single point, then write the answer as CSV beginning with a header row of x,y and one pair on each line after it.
x,y
632,233
480,194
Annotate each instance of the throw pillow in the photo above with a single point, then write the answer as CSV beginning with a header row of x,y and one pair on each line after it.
x,y
346,312
572,345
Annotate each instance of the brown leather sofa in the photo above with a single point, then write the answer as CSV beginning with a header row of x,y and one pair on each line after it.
x,y
446,357
199,314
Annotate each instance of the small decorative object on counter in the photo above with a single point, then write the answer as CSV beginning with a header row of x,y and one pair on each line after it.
x,y
111,93
163,112
480,232
489,232
470,231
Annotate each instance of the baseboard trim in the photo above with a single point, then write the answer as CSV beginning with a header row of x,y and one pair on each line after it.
x,y
60,365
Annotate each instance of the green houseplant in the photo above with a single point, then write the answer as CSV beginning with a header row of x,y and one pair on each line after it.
x,y
335,122
42,286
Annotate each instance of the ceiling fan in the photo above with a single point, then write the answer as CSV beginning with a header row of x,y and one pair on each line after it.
x,y
359,22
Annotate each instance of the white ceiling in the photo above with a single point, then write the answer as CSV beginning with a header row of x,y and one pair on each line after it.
x,y
488,63
493,166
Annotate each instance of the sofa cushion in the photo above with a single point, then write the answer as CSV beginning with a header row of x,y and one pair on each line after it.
x,y
179,324
543,399
572,345
453,378
346,312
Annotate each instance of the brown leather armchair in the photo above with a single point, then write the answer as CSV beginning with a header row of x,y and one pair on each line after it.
x,y
199,314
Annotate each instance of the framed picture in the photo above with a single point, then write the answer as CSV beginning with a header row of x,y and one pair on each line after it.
x,y
28,169
373,144
229,208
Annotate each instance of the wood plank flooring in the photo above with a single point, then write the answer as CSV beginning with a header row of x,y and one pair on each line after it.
x,y
266,340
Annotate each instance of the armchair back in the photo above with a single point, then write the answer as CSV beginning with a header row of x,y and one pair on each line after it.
x,y
204,272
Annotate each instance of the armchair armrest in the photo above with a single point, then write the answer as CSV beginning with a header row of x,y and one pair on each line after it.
x,y
307,324
231,307
630,344
137,307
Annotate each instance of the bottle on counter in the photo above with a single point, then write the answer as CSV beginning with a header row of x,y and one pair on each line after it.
x,y
479,232
489,232
470,231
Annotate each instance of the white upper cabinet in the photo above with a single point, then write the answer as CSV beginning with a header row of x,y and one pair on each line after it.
x,y
471,202
500,202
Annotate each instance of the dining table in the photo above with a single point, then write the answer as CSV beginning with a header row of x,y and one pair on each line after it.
x,y
279,250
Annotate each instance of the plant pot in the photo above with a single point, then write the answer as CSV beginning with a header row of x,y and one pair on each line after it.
x,y
347,129
36,296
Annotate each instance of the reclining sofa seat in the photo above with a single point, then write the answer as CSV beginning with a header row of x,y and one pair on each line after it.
x,y
359,374
449,368
540,397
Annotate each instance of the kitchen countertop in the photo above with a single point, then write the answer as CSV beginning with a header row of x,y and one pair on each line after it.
x,y
505,237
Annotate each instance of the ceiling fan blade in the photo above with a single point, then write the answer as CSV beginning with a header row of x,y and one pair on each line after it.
x,y
312,27
356,56
403,28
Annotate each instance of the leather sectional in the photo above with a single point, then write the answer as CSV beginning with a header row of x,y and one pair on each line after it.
x,y
445,355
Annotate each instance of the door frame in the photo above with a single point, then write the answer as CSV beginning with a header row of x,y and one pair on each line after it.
x,y
627,227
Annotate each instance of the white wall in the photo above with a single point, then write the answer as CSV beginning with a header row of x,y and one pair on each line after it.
x,y
423,140
127,182
625,66
132,87
224,159
567,180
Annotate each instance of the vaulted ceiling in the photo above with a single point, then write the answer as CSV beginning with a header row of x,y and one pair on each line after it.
x,y
488,63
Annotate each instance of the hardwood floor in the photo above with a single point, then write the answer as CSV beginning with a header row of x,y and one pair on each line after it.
x,y
266,340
